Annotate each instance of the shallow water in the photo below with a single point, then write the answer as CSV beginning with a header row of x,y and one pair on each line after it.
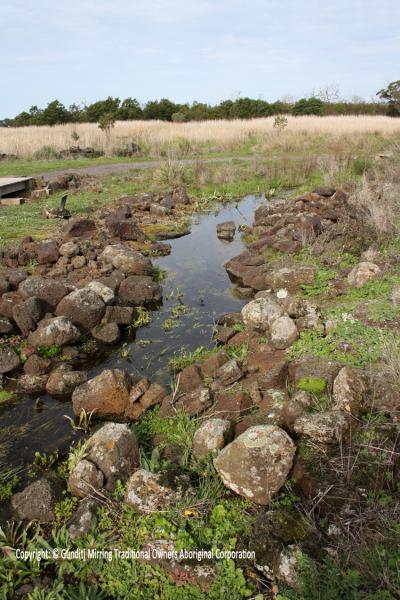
x,y
197,279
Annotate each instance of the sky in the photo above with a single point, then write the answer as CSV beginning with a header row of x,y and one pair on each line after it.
x,y
186,50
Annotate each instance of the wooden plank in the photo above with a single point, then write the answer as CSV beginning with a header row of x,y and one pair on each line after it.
x,y
10,185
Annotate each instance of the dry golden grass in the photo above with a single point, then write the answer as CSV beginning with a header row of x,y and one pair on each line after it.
x,y
157,137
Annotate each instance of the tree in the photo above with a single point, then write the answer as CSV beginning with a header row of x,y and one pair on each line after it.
x,y
161,109
130,109
103,107
54,113
106,123
392,94
308,106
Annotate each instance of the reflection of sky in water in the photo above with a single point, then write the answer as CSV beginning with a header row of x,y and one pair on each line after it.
x,y
196,265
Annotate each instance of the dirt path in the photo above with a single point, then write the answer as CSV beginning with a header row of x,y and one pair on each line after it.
x,y
153,164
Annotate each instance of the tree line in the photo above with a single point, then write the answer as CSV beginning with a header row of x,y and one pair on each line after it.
x,y
129,109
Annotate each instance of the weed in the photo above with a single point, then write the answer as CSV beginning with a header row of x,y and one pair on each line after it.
x,y
9,479
43,462
89,345
142,319
313,385
64,509
176,430
49,352
159,274
6,396
77,454
321,283
84,420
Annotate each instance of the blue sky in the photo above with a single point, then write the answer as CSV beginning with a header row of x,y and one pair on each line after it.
x,y
84,50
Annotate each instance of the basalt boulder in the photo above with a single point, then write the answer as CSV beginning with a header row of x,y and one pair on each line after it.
x,y
83,307
58,331
127,260
115,452
51,292
257,463
139,290
106,394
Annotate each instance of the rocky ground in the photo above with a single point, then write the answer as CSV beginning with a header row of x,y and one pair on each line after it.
x,y
282,439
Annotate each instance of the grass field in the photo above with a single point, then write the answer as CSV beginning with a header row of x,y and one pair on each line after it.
x,y
158,138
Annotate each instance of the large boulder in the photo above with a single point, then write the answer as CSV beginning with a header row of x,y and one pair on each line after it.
x,y
256,464
139,290
83,307
106,334
259,314
58,331
106,394
31,384
48,290
36,502
9,360
362,273
125,229
115,451
127,260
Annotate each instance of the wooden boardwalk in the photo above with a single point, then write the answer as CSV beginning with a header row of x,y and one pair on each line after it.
x,y
12,185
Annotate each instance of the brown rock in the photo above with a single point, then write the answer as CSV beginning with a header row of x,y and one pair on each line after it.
x,y
47,252
106,394
189,379
210,365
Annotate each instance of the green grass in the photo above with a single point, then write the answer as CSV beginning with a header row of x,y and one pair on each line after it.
x,y
21,168
6,396
366,343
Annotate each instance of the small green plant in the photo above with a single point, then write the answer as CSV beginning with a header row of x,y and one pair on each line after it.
x,y
177,430
64,509
43,461
77,454
320,284
9,479
49,352
84,420
280,123
142,318
177,363
313,385
159,274
6,396
89,345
